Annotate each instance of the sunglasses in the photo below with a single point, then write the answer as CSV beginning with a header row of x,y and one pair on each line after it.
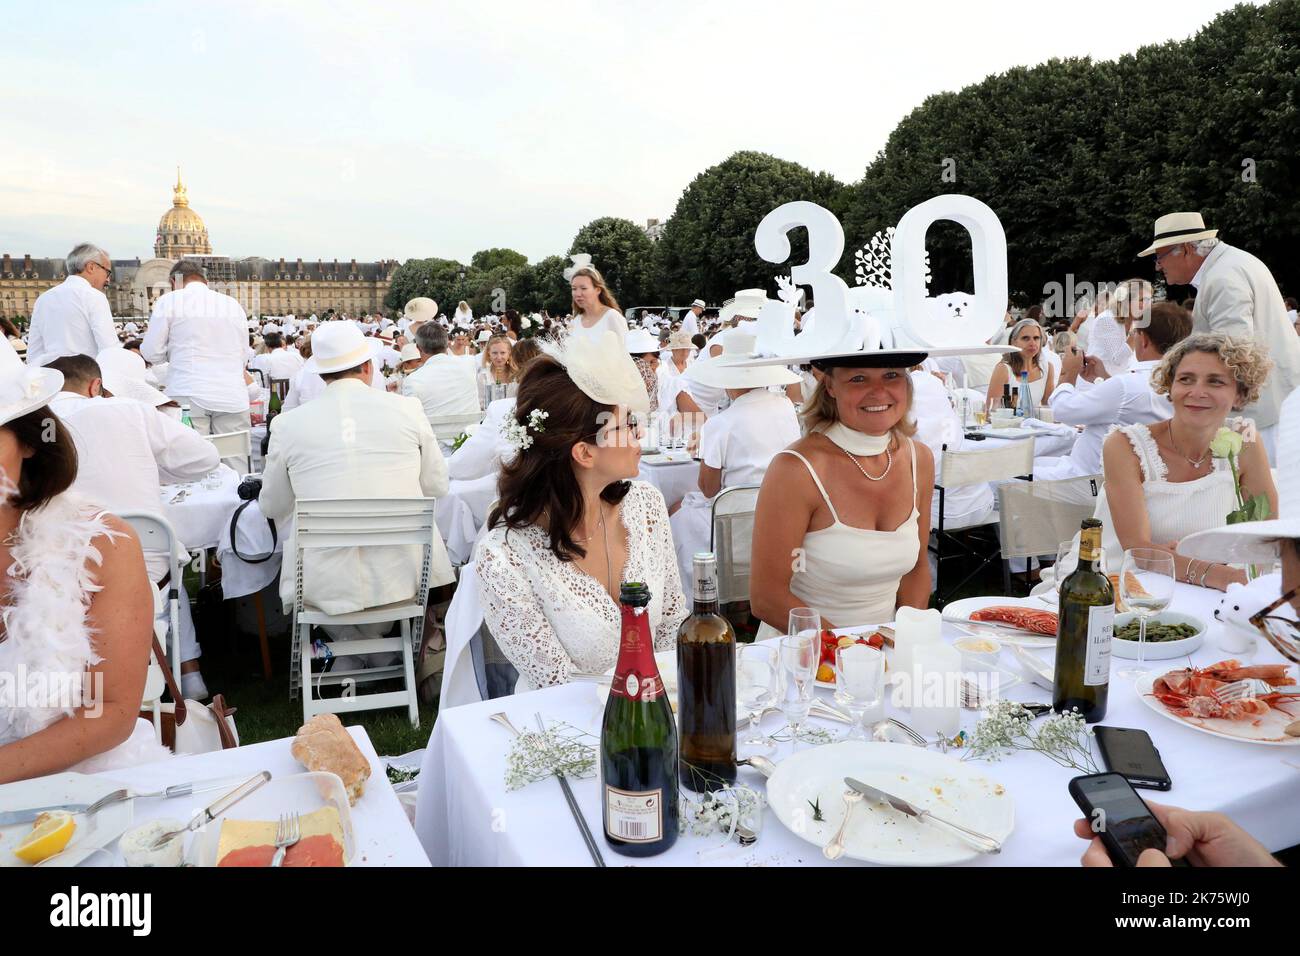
x,y
1282,632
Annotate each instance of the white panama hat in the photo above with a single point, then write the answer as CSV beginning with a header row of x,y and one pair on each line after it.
x,y
720,372
123,373
409,352
24,389
421,307
639,341
1252,542
1177,228
339,346
698,304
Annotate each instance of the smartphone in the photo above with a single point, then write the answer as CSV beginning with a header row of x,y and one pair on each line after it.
x,y
1132,754
1117,814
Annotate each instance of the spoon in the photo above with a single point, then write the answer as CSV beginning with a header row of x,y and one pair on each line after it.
x,y
761,764
835,849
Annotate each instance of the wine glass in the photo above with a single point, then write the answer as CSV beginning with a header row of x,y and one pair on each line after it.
x,y
800,654
1067,560
757,674
1146,584
859,684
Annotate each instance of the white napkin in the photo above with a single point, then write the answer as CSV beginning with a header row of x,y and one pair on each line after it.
x,y
1049,428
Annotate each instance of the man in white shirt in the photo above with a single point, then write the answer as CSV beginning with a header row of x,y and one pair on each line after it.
x,y
352,442
1236,295
444,384
1105,400
202,335
691,318
74,318
125,451
278,361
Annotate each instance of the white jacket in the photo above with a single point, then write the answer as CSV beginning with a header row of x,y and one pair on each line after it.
x,y
445,385
353,442
1237,295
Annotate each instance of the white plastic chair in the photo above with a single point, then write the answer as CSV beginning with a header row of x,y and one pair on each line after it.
x,y
361,523
981,466
731,533
234,445
157,537
447,427
1036,516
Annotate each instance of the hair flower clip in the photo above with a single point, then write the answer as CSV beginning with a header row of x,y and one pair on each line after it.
x,y
517,432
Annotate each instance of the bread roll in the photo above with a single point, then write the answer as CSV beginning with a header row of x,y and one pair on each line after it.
x,y
322,744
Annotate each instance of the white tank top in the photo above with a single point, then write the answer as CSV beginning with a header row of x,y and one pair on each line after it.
x,y
1035,388
850,575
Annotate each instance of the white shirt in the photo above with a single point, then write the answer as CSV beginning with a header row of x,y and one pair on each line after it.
x,y
484,451
126,450
203,337
1125,399
611,321
741,441
690,324
445,385
305,386
73,318
281,363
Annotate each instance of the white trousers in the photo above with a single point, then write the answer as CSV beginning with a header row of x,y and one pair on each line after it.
x,y
208,422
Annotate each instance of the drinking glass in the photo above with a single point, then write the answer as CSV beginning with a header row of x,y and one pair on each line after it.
x,y
1067,560
800,653
859,684
1146,584
757,676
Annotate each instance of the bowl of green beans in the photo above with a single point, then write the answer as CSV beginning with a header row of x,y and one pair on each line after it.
x,y
1169,634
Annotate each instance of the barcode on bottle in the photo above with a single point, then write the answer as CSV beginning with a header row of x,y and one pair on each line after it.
x,y
634,817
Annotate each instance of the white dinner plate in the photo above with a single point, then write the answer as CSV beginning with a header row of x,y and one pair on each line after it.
x,y
109,824
959,612
1162,650
667,458
1263,730
956,791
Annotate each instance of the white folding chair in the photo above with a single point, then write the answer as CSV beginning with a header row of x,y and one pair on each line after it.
x,y
362,523
731,533
157,537
448,427
234,445
982,466
1036,516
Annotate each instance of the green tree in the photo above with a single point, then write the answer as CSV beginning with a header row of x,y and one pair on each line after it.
x,y
438,279
485,260
623,253
707,249
542,286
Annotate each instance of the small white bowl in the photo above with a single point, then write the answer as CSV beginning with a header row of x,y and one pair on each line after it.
x,y
973,658
1164,650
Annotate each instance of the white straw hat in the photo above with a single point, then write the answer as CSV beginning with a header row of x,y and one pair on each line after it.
x,y
337,347
639,341
421,307
123,372
409,352
1177,228
698,304
24,389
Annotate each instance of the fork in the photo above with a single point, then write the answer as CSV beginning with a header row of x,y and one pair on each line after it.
x,y
288,831
117,796
1247,688
912,734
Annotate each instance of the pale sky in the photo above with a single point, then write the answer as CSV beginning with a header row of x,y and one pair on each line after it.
x,y
412,129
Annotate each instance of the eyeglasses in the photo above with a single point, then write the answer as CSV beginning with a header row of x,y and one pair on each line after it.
x,y
1282,632
632,424
107,270
1171,251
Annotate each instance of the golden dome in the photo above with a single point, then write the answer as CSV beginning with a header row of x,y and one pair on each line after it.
x,y
181,230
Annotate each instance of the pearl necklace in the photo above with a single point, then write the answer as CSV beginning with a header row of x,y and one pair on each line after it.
x,y
861,444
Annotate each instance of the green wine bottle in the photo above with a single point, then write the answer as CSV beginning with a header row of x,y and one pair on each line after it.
x,y
638,742
1085,626
706,686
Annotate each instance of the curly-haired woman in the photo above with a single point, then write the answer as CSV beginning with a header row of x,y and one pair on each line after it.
x,y
1162,482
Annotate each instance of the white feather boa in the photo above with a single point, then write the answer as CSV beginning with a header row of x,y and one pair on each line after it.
x,y
46,631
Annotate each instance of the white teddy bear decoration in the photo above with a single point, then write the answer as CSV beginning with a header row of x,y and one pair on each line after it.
x,y
1233,612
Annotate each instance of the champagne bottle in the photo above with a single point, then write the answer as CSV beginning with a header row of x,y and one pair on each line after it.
x,y
1084,630
274,404
638,742
706,686
1025,404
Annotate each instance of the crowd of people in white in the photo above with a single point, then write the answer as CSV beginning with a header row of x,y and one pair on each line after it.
x,y
845,449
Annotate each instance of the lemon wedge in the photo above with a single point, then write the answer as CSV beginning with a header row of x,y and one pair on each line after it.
x,y
50,835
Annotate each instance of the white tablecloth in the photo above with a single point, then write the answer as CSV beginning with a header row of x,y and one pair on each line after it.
x,y
384,835
1047,444
201,518
673,480
466,816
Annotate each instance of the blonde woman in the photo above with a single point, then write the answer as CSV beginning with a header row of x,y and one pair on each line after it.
x,y
498,361
1027,336
843,517
595,310
1162,482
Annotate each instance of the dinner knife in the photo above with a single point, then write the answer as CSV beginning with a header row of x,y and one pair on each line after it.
x,y
11,817
985,844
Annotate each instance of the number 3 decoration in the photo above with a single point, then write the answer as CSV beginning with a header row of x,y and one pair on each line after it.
x,y
846,320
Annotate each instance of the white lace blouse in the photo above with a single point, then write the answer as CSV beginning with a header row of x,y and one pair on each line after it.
x,y
550,618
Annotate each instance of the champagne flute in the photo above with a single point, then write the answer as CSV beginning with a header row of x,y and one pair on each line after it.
x,y
800,652
1146,585
757,675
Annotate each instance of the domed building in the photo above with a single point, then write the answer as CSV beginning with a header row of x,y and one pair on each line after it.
x,y
181,231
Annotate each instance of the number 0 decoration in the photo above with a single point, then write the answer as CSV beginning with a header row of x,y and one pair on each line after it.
x,y
847,321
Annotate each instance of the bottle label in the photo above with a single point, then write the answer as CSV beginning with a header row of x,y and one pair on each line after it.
x,y
1101,628
636,676
634,817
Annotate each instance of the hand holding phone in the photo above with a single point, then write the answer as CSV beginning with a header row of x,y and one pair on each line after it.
x,y
1115,814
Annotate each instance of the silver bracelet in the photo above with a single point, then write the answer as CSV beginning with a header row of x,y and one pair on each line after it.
x,y
1208,567
1191,571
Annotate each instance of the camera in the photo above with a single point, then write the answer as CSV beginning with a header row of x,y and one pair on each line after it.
x,y
249,488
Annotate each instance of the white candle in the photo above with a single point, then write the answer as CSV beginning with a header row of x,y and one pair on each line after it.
x,y
913,628
936,705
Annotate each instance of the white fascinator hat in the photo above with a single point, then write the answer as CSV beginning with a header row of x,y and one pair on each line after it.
x,y
602,369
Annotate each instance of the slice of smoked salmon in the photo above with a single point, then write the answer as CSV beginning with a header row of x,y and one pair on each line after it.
x,y
322,850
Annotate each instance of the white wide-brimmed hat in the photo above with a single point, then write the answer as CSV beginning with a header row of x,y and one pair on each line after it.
x,y
409,352
1254,542
339,346
719,371
680,340
24,389
747,303
484,336
698,304
639,341
1177,228
421,307
387,335
123,372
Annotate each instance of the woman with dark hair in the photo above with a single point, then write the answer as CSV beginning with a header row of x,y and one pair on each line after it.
x,y
78,606
569,526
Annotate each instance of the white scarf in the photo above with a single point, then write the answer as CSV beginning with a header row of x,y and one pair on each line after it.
x,y
856,442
